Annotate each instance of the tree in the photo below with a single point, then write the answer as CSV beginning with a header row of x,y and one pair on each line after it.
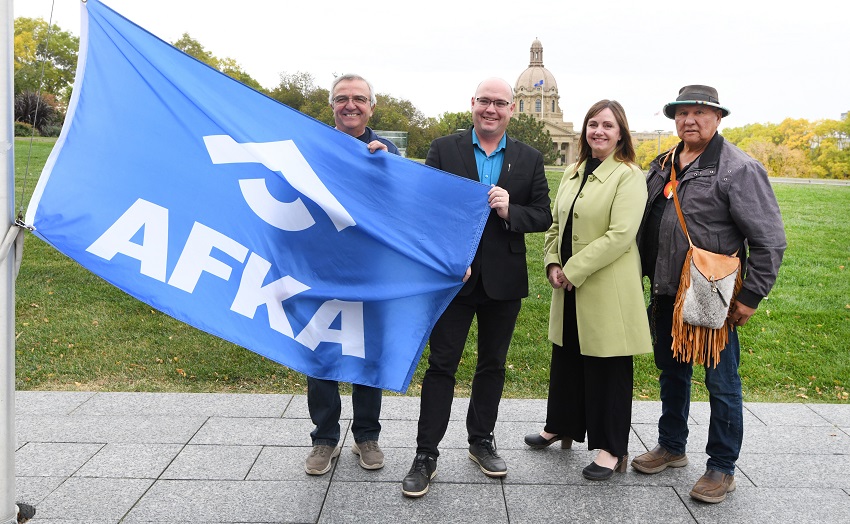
x,y
797,148
389,115
231,68
293,89
419,138
780,159
646,151
426,129
453,122
741,136
299,91
533,132
316,105
228,66
58,56
193,48
830,151
795,134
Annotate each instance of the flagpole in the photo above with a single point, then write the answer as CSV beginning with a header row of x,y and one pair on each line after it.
x,y
8,510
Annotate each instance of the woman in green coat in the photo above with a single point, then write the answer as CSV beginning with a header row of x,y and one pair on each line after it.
x,y
597,319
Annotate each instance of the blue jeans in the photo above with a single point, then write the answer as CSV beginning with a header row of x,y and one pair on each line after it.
x,y
726,425
325,406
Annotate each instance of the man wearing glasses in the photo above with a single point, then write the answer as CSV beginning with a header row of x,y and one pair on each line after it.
x,y
353,100
519,203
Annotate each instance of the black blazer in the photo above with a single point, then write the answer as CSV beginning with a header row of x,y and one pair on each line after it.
x,y
500,260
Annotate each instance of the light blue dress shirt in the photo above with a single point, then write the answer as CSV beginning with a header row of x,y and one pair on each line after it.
x,y
489,167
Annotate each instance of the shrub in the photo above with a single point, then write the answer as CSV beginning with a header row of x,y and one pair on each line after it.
x,y
23,129
37,110
52,131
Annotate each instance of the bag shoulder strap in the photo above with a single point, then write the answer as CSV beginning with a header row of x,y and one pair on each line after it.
x,y
676,199
676,196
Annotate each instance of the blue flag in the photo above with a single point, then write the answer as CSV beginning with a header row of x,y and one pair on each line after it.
x,y
247,219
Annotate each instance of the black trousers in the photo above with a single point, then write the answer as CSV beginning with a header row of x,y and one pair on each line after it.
x,y
496,321
589,395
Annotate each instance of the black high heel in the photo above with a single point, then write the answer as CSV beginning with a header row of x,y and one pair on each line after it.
x,y
536,441
596,472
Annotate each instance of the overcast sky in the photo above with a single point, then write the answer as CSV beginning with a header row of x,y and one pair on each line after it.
x,y
769,60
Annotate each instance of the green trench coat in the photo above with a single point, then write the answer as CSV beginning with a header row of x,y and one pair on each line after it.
x,y
605,266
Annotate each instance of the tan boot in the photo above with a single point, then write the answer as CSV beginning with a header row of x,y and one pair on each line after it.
x,y
713,486
658,460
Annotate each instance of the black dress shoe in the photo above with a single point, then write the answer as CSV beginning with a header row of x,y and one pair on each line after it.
x,y
483,453
536,441
418,479
596,472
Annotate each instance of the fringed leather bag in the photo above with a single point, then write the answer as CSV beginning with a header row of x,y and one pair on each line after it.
x,y
707,289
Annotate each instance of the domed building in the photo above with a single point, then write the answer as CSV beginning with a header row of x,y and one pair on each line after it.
x,y
536,93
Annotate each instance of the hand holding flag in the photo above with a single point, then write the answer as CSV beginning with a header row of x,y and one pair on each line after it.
x,y
242,217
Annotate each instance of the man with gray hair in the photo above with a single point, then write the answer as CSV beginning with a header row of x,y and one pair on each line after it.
x,y
353,101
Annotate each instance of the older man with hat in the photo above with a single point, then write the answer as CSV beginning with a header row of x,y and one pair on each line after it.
x,y
729,207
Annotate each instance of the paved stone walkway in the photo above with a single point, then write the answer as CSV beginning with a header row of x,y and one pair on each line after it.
x,y
104,458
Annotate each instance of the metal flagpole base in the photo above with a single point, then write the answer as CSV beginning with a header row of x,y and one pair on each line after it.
x,y
13,521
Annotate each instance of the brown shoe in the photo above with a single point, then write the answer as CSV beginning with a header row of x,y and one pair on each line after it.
x,y
658,460
371,456
319,460
713,486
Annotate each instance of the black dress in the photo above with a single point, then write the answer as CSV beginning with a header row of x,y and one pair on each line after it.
x,y
588,395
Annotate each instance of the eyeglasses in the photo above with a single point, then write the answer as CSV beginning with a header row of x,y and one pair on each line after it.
x,y
357,99
485,102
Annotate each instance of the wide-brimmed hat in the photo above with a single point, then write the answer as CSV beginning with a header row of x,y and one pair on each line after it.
x,y
695,95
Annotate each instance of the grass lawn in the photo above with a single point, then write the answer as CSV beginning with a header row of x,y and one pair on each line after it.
x,y
75,331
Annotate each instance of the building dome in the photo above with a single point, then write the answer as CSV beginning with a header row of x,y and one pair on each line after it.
x,y
536,95
536,91
530,79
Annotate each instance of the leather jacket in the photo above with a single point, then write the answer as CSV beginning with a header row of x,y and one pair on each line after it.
x,y
729,207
